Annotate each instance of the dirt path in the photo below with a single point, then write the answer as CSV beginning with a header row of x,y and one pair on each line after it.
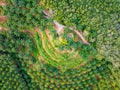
x,y
3,29
81,37
2,3
3,18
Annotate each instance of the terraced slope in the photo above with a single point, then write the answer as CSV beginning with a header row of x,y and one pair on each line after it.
x,y
98,20
34,56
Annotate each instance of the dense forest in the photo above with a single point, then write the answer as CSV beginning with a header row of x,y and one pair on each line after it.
x,y
59,44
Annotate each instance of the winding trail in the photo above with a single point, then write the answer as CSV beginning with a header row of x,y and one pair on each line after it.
x,y
60,28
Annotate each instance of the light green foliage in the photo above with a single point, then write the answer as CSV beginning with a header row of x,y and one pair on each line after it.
x,y
99,18
34,59
90,13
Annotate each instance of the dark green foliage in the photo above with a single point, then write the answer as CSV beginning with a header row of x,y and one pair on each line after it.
x,y
10,78
100,18
14,43
84,50
83,78
24,15
22,56
87,51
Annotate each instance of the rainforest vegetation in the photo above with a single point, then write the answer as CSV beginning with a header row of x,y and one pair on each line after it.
x,y
59,45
